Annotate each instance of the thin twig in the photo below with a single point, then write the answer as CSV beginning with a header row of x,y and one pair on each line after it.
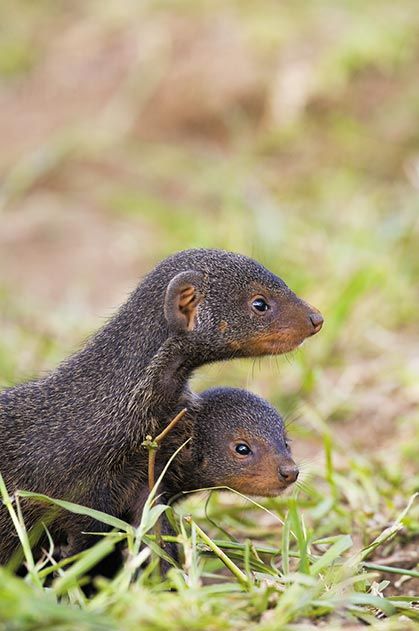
x,y
159,439
153,444
151,462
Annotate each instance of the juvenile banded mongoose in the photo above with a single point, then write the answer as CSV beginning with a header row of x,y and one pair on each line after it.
x,y
237,440
76,433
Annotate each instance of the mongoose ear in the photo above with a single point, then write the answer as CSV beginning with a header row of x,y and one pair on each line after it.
x,y
182,298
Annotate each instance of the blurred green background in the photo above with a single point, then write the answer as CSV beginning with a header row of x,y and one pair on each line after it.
x,y
286,131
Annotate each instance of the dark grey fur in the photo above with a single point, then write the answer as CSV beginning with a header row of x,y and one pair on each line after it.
x,y
77,433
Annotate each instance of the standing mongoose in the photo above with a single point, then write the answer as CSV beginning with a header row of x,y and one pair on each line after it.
x,y
75,434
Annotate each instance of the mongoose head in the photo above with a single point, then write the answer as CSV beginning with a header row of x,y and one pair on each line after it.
x,y
233,306
239,441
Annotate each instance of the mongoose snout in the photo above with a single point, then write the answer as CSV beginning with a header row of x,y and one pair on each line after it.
x,y
316,320
288,471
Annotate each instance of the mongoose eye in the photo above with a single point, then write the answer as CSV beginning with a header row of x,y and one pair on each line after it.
x,y
260,305
243,449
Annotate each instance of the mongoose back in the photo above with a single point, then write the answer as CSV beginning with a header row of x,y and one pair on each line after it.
x,y
73,434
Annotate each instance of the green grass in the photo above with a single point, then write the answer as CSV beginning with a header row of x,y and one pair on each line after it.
x,y
322,190
306,575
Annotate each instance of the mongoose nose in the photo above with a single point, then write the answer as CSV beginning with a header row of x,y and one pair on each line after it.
x,y
288,472
316,320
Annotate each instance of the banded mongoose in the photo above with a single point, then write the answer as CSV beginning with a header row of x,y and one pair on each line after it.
x,y
237,440
76,433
